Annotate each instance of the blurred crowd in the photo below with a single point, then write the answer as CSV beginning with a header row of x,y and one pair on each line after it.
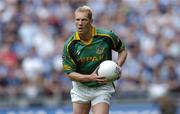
x,y
32,34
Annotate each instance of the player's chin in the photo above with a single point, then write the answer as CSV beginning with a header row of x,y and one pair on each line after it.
x,y
80,31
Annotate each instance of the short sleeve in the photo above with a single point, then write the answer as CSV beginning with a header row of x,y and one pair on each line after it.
x,y
68,63
118,45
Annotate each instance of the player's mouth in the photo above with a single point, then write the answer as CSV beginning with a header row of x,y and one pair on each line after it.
x,y
80,29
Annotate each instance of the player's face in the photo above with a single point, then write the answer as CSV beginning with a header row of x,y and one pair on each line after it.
x,y
83,23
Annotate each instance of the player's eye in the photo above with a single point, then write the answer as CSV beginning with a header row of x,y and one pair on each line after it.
x,y
84,19
77,19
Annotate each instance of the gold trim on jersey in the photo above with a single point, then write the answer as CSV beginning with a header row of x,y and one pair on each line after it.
x,y
86,42
67,67
94,33
76,36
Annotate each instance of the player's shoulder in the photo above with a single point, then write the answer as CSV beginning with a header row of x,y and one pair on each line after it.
x,y
69,40
104,31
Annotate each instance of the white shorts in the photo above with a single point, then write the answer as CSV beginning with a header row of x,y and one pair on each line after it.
x,y
83,94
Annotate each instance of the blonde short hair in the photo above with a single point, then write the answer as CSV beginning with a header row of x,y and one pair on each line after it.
x,y
85,9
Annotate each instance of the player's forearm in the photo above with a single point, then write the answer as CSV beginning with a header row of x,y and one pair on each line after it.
x,y
78,77
122,57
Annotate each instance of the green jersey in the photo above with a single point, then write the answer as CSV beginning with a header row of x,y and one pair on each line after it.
x,y
84,58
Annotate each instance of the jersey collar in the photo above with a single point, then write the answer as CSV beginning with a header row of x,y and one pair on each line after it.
x,y
94,33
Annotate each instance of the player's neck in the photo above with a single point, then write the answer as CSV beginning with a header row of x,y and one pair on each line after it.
x,y
87,36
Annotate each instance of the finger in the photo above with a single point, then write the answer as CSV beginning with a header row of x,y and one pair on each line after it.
x,y
101,77
102,80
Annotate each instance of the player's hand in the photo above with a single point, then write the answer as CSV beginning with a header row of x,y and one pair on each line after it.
x,y
120,70
98,79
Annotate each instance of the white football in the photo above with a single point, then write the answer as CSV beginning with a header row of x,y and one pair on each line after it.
x,y
109,69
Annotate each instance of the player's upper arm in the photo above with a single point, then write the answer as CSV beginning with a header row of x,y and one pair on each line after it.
x,y
118,45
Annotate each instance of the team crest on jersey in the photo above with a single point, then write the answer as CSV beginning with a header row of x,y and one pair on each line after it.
x,y
100,50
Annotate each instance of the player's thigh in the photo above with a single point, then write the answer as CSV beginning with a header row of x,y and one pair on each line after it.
x,y
81,108
100,108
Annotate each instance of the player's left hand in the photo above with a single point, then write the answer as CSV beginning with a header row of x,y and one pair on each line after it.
x,y
120,70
